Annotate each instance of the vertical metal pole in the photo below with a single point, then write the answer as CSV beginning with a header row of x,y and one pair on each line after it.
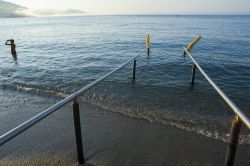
x,y
78,133
148,51
193,74
234,136
148,43
134,69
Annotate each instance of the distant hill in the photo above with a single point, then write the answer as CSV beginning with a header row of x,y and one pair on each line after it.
x,y
8,9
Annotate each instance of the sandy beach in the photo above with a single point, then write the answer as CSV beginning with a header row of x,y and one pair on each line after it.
x,y
109,139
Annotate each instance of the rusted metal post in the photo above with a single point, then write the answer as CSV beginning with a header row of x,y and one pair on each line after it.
x,y
148,44
234,136
78,132
134,69
193,74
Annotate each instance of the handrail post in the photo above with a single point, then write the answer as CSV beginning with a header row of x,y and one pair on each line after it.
x,y
78,133
193,74
148,44
134,69
234,136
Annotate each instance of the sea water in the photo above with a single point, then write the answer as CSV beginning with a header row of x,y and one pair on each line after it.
x,y
56,56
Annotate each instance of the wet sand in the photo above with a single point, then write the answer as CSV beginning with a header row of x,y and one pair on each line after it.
x,y
109,139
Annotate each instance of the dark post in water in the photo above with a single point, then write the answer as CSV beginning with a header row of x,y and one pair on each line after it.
x,y
134,69
193,74
78,133
234,136
148,44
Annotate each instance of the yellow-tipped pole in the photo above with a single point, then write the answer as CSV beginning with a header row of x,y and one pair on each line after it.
x,y
189,47
191,44
148,43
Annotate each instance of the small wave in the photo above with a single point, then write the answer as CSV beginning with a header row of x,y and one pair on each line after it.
x,y
5,75
178,122
166,118
34,90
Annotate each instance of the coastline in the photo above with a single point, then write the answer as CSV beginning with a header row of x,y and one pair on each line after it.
x,y
109,138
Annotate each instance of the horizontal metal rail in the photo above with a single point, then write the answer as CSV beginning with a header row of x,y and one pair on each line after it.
x,y
230,103
24,126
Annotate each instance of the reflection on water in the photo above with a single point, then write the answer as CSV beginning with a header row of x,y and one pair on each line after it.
x,y
14,55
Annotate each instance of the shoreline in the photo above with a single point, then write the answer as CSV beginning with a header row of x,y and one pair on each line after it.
x,y
109,138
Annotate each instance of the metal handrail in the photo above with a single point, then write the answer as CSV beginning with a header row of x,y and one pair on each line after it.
x,y
238,118
24,126
236,123
230,103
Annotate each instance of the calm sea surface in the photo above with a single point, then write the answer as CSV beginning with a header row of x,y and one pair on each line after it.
x,y
59,55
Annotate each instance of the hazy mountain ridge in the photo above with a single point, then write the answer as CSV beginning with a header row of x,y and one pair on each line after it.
x,y
8,9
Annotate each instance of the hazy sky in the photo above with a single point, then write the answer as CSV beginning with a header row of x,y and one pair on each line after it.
x,y
143,6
